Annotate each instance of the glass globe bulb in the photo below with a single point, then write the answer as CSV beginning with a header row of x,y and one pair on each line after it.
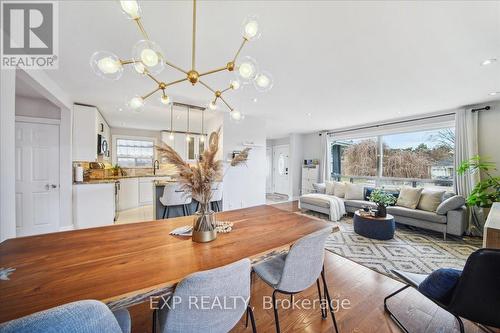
x,y
236,115
263,81
150,55
188,138
131,9
139,67
235,84
251,27
247,69
212,106
136,103
165,99
202,138
171,137
106,65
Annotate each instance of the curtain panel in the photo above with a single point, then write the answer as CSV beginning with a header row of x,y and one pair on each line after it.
x,y
466,147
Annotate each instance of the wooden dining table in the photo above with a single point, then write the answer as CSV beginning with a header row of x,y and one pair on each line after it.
x,y
126,264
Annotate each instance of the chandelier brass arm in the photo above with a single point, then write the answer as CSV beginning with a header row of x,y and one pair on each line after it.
x,y
141,28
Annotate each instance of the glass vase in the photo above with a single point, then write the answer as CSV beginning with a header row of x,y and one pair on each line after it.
x,y
204,225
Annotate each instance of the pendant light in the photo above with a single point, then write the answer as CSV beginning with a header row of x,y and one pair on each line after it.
x,y
202,137
171,136
188,137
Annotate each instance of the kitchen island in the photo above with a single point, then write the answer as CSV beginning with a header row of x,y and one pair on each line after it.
x,y
158,207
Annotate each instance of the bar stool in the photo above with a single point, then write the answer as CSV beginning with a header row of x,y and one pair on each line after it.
x,y
174,195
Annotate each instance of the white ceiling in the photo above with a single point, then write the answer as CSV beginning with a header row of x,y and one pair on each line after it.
x,y
345,63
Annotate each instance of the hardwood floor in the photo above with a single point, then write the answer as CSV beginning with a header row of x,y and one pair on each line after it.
x,y
363,292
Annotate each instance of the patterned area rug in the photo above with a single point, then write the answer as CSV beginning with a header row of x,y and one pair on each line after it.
x,y
412,249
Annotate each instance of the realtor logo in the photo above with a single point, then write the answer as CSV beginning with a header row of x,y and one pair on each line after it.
x,y
29,34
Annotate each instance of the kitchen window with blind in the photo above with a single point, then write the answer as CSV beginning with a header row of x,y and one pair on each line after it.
x,y
132,153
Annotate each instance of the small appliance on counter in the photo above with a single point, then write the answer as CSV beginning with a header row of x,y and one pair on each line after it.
x,y
78,173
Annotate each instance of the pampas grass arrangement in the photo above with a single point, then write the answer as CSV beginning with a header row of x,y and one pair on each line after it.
x,y
198,178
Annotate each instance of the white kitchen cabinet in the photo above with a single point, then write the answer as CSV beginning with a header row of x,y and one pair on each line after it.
x,y
310,175
180,145
93,205
146,191
129,193
146,188
87,123
195,148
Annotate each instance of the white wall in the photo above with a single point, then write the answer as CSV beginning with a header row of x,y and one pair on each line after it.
x,y
49,90
244,186
295,164
36,107
7,154
489,134
312,146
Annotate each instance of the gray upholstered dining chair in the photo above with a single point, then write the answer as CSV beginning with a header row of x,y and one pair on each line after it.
x,y
208,301
297,270
87,316
175,195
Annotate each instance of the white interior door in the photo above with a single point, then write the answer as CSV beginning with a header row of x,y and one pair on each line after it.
x,y
269,168
37,178
280,167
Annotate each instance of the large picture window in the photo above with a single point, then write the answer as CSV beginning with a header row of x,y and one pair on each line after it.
x,y
419,158
134,153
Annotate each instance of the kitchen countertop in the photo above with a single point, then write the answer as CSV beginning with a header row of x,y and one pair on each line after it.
x,y
114,179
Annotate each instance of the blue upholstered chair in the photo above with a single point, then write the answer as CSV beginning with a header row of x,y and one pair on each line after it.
x,y
297,270
78,317
208,301
473,293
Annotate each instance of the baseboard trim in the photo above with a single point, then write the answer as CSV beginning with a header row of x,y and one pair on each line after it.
x,y
67,228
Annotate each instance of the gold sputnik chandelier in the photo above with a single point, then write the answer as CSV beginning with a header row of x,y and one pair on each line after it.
x,y
149,60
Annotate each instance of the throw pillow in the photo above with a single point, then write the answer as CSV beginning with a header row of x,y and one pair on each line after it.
x,y
409,197
455,202
319,187
329,187
354,191
368,192
339,189
439,284
430,200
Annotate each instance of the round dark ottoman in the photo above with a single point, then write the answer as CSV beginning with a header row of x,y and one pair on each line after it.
x,y
374,227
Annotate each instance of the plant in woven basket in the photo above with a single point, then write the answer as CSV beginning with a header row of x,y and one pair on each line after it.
x,y
197,179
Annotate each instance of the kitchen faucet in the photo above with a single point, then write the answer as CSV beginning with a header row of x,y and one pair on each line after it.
x,y
156,165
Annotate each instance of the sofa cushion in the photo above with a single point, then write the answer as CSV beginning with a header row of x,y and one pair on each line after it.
x,y
430,200
354,191
319,187
416,214
452,203
339,189
315,201
359,203
329,187
447,195
409,197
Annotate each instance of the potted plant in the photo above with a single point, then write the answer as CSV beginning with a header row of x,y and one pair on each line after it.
x,y
197,179
116,170
382,199
487,191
